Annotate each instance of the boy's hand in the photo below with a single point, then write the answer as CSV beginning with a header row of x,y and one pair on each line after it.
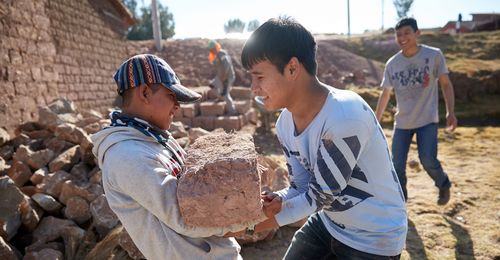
x,y
272,203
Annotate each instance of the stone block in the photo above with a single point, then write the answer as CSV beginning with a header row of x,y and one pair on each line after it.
x,y
104,219
178,130
221,184
35,160
186,121
46,253
50,229
47,202
20,173
229,123
189,110
242,93
10,215
210,108
52,184
7,251
31,214
77,209
205,122
177,114
252,116
66,160
243,106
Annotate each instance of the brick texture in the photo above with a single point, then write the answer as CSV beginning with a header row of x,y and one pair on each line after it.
x,y
221,184
57,48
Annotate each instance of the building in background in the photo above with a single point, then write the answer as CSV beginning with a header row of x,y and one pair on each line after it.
x,y
480,22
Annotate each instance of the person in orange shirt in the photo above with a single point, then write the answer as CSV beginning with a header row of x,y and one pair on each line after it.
x,y
224,78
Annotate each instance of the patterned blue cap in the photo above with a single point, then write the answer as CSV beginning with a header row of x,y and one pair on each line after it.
x,y
150,69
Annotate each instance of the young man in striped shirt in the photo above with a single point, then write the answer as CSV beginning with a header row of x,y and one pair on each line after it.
x,y
336,152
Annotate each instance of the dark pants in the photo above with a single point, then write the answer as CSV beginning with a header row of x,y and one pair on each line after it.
x,y
313,241
427,144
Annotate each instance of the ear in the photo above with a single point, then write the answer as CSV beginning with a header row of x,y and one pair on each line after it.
x,y
417,32
292,69
143,93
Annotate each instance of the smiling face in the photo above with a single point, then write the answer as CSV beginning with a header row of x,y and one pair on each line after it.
x,y
270,84
406,38
162,106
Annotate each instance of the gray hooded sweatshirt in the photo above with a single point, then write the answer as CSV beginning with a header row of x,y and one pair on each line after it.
x,y
140,189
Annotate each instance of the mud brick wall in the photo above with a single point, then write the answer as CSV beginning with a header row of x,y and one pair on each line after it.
x,y
57,48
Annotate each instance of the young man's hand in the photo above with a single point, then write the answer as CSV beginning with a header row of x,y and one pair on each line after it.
x,y
451,123
272,203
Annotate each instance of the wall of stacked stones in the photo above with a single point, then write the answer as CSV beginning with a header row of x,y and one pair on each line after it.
x,y
211,114
57,48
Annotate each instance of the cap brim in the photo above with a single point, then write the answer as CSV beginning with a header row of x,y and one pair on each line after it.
x,y
183,94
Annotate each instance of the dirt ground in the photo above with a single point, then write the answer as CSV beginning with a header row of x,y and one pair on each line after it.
x,y
468,227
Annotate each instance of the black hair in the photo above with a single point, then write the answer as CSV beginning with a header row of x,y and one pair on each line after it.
x,y
407,21
278,40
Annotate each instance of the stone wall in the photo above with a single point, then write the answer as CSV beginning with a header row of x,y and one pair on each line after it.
x,y
57,48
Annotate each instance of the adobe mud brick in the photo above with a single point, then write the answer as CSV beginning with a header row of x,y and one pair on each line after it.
x,y
251,116
178,114
210,108
185,120
189,110
243,93
229,123
242,106
205,122
221,183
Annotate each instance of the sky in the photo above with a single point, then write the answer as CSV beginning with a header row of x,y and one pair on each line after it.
x,y
206,18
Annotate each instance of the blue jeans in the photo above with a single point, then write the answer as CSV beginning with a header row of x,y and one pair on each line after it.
x,y
427,144
313,241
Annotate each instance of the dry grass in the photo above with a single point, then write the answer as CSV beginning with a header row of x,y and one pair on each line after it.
x,y
469,226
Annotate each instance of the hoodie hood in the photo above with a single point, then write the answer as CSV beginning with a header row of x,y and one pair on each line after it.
x,y
108,137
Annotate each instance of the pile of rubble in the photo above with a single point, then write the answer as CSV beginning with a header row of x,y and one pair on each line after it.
x,y
52,204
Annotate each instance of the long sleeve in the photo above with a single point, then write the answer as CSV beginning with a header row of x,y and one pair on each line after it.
x,y
299,178
139,180
335,161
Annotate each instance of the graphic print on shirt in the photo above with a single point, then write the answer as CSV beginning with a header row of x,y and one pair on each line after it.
x,y
350,196
413,75
412,79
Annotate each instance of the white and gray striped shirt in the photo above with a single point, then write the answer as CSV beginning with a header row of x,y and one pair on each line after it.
x,y
340,165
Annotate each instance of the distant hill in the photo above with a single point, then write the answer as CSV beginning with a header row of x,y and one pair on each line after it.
x,y
336,66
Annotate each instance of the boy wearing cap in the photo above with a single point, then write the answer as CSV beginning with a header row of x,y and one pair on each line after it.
x,y
336,153
414,73
224,77
141,162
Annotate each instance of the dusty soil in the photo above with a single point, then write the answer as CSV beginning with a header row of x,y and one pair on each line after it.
x,y
468,227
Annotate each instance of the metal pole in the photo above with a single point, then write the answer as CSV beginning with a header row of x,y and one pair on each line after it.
x,y
348,20
382,16
156,25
